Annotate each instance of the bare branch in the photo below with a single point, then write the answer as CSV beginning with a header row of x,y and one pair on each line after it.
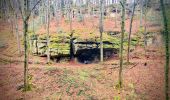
x,y
121,4
33,9
20,9
35,5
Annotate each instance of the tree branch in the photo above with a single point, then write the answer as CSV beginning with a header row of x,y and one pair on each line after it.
x,y
19,4
33,9
35,5
121,4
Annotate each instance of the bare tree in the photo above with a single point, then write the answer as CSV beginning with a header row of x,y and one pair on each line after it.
x,y
130,30
145,25
116,14
25,13
17,34
48,31
71,29
141,12
123,3
9,13
101,29
166,33
14,17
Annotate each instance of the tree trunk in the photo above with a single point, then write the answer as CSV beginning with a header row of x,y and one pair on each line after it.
x,y
62,8
166,33
116,17
25,55
33,22
9,16
101,30
17,34
123,2
130,31
48,39
25,26
81,13
145,29
71,32
141,13
25,13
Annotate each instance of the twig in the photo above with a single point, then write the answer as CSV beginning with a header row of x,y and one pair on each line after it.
x,y
134,66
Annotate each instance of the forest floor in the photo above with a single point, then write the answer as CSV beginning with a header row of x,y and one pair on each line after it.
x,y
143,78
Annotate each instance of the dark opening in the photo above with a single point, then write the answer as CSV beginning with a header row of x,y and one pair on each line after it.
x,y
88,56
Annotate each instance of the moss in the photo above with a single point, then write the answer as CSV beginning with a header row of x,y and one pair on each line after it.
x,y
30,85
108,46
60,42
83,75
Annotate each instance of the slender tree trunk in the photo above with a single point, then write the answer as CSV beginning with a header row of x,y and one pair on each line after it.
x,y
17,34
145,30
1,12
71,31
42,16
123,2
25,13
25,26
9,16
45,14
14,17
62,8
89,8
5,17
92,15
101,30
166,33
130,31
25,55
33,22
116,17
93,9
48,32
5,11
81,13
141,13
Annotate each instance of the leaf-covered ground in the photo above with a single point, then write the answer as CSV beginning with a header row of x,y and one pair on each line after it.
x,y
143,78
